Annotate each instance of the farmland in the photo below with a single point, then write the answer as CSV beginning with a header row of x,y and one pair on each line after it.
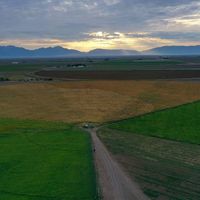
x,y
161,150
121,75
43,160
181,124
99,100
19,69
94,101
165,169
28,65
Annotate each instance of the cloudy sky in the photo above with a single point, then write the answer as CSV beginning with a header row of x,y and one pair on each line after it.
x,y
90,24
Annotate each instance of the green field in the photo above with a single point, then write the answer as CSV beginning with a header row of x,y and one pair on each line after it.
x,y
31,65
181,124
20,68
24,69
129,64
160,150
45,160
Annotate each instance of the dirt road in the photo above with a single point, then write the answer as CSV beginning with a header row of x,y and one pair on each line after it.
x,y
115,184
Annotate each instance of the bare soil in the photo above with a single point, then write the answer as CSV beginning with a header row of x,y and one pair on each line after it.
x,y
121,75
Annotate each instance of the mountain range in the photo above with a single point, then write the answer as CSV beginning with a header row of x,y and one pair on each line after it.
x,y
174,50
53,52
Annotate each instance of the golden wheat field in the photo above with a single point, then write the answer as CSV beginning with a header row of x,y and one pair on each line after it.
x,y
94,101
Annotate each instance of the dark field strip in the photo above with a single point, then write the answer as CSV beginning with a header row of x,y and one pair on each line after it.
x,y
122,75
164,169
181,123
45,160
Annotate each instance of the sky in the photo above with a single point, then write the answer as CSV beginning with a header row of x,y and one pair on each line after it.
x,y
109,24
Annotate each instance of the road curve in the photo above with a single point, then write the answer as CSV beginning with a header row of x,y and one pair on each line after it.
x,y
115,184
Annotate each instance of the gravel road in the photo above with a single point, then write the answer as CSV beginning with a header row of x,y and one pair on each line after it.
x,y
115,184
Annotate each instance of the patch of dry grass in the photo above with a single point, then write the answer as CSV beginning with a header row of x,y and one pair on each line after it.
x,y
96,101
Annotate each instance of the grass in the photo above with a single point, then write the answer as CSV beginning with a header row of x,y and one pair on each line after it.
x,y
45,160
95,101
31,65
126,63
130,64
163,168
181,124
26,67
20,67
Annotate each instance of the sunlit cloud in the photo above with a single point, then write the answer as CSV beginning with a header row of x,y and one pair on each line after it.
x,y
95,40
188,21
119,40
105,35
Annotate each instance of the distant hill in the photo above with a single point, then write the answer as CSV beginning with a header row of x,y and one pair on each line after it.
x,y
174,50
18,52
114,52
12,51
53,52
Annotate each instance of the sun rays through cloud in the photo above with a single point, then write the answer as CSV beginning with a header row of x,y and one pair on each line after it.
x,y
88,24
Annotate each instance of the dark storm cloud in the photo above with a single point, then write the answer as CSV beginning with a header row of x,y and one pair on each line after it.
x,y
72,19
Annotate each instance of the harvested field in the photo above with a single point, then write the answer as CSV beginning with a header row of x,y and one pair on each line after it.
x,y
95,101
122,75
164,169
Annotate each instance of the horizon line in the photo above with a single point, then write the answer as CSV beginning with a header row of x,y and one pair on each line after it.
x,y
60,46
